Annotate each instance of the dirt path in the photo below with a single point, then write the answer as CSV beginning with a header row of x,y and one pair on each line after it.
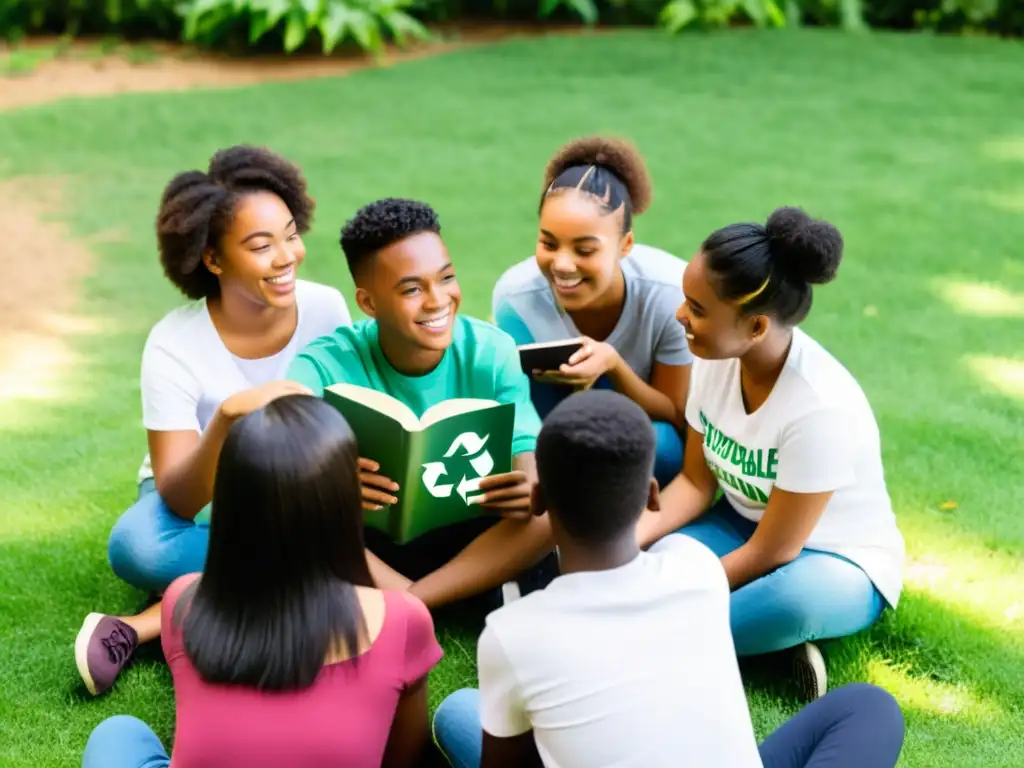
x,y
37,319
79,72
37,311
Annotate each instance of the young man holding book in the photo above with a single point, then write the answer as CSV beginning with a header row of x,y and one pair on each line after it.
x,y
417,349
627,658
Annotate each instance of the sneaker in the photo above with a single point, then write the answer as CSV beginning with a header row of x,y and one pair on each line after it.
x,y
102,649
809,671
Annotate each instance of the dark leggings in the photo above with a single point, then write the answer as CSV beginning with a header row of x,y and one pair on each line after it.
x,y
856,726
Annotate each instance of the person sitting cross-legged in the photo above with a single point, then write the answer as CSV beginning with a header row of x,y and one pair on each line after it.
x,y
590,278
627,658
230,240
417,348
783,476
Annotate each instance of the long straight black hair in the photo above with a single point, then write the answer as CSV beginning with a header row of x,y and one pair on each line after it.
x,y
277,594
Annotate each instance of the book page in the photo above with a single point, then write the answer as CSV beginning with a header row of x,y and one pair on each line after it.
x,y
448,408
380,402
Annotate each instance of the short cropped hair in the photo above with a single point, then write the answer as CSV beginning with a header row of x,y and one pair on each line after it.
x,y
595,458
381,223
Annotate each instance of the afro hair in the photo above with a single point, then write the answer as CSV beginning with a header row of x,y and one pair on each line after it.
x,y
196,209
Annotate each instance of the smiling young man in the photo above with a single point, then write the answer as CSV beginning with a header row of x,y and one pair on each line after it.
x,y
418,349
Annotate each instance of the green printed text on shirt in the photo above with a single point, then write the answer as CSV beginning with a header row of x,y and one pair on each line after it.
x,y
748,462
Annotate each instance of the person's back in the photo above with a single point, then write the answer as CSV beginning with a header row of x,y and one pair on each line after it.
x,y
343,718
627,658
632,666
283,653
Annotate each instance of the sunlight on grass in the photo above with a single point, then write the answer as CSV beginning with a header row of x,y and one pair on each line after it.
x,y
970,578
38,365
932,696
30,521
1003,374
1006,201
1009,148
979,299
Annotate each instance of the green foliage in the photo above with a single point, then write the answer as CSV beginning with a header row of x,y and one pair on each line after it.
x,y
290,25
297,22
74,17
680,14
949,16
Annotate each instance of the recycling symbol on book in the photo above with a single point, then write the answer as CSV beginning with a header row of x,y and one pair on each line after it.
x,y
470,446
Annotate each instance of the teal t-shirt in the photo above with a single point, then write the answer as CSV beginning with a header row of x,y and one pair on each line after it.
x,y
482,362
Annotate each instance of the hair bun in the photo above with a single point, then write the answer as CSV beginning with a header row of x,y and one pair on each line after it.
x,y
805,248
617,155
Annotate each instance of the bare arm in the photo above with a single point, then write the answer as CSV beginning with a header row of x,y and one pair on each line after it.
x,y
185,463
515,752
410,729
781,533
664,399
685,499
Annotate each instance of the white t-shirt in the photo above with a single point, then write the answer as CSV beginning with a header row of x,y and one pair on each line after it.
x,y
629,668
187,372
816,432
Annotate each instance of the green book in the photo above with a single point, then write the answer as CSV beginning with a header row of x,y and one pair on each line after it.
x,y
437,459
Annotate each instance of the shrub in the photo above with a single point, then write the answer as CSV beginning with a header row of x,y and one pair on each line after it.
x,y
295,23
292,24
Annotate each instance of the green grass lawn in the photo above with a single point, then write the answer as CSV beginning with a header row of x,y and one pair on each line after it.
x,y
914,147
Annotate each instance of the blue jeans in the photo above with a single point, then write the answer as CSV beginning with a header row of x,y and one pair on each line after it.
x,y
150,546
123,741
817,596
668,460
855,726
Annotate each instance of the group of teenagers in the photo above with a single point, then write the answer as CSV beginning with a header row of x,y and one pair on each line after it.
x,y
700,482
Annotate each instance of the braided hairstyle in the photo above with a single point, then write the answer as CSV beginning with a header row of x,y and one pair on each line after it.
x,y
196,208
611,170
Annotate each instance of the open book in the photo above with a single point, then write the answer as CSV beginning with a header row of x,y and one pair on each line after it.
x,y
547,355
437,459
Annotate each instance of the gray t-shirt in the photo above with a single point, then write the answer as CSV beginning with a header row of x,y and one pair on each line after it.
x,y
525,307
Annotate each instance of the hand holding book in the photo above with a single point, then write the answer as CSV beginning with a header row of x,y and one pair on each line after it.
x,y
377,489
585,366
508,493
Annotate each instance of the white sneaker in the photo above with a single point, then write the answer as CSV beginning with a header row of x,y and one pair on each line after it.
x,y
510,592
809,671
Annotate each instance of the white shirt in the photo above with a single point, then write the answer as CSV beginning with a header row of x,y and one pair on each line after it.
x,y
629,668
816,432
187,372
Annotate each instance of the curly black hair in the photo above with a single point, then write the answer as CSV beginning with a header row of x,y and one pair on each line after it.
x,y
381,223
595,459
196,208
610,169
770,268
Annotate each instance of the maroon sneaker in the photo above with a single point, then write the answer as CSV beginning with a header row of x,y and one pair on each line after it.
x,y
102,649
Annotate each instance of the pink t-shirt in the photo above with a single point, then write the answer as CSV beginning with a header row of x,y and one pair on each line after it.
x,y
343,719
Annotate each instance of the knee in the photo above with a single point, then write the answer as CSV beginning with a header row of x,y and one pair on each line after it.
x,y
112,732
459,711
135,549
458,705
866,697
